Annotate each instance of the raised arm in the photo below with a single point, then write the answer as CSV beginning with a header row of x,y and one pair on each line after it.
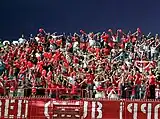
x,y
158,45
83,81
151,43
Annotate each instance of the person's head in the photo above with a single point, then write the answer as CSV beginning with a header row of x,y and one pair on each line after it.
x,y
113,86
151,72
158,86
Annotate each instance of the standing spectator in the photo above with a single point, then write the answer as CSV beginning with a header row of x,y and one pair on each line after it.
x,y
152,83
137,85
22,40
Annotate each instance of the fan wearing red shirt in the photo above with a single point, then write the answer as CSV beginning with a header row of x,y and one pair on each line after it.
x,y
152,85
90,77
105,37
34,90
106,51
43,73
52,87
137,85
12,89
74,90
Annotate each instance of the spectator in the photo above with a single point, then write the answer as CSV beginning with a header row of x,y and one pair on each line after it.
x,y
21,40
152,84
104,65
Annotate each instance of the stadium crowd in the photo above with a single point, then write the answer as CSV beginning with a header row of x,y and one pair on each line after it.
x,y
101,65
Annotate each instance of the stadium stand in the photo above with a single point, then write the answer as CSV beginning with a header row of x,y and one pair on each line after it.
x,y
114,65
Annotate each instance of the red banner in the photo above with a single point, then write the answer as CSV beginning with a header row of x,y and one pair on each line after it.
x,y
101,109
142,109
40,108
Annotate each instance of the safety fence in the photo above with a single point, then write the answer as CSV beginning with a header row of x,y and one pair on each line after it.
x,y
49,108
74,94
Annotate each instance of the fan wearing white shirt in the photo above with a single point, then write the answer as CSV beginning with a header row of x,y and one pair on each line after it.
x,y
154,52
22,40
6,42
91,41
72,80
15,42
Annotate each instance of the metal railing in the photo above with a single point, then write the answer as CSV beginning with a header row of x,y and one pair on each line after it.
x,y
68,93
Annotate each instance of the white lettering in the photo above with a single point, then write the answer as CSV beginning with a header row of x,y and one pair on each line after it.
x,y
46,110
85,109
26,110
129,107
19,108
11,108
121,110
6,109
149,111
77,103
135,111
143,106
93,109
156,111
99,109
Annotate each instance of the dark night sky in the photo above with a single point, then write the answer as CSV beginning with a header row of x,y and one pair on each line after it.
x,y
27,16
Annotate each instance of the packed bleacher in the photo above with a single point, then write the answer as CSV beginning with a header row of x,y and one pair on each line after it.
x,y
111,64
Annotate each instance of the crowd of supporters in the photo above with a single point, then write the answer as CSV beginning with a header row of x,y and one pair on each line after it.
x,y
89,65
